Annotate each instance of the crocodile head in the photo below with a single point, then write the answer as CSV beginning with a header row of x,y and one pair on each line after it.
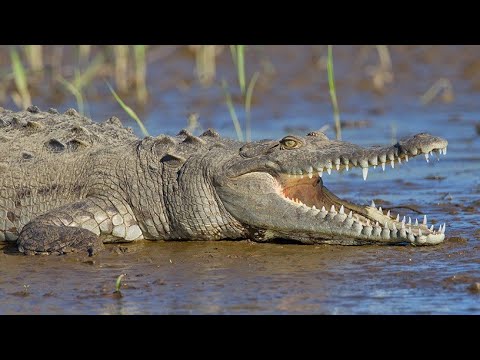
x,y
276,189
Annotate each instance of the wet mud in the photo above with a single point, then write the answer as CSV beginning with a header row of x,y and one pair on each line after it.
x,y
250,278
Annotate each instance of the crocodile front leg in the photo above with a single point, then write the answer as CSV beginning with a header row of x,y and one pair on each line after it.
x,y
78,226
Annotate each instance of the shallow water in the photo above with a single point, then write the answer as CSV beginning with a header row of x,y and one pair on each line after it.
x,y
249,278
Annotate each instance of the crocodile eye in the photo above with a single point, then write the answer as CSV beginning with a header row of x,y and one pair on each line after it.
x,y
289,142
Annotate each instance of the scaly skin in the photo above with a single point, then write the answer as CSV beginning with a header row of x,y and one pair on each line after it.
x,y
69,184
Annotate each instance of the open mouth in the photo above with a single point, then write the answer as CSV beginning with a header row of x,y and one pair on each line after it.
x,y
304,189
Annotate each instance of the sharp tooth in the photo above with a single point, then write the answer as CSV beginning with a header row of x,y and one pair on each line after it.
x,y
313,207
398,218
431,153
386,225
419,232
365,173
358,228
347,167
368,222
392,162
431,228
342,210
309,169
443,229
399,160
416,222
426,157
376,224
445,151
380,209
403,225
323,209
350,214
424,219
373,205
406,157
320,173
440,228
383,166
332,209
374,167
329,170
409,220
411,237
337,166
310,175
388,213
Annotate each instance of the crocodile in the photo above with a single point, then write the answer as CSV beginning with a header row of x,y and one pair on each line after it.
x,y
69,184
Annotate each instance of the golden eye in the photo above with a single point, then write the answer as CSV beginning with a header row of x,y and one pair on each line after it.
x,y
290,142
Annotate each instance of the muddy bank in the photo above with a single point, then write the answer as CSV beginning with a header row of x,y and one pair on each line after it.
x,y
244,277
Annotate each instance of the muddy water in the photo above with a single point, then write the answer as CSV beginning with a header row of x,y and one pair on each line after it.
x,y
245,277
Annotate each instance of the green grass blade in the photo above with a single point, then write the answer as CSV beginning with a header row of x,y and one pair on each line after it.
x,y
248,103
140,72
129,111
20,78
34,55
75,92
231,109
241,67
333,94
82,80
118,283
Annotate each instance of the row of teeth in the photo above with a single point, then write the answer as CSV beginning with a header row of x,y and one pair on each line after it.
x,y
387,231
404,222
364,164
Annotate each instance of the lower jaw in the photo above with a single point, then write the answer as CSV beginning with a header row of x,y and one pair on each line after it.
x,y
358,224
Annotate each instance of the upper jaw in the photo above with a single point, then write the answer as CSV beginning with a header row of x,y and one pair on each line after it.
x,y
340,155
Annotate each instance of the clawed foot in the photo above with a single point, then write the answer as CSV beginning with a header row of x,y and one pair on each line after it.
x,y
49,239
